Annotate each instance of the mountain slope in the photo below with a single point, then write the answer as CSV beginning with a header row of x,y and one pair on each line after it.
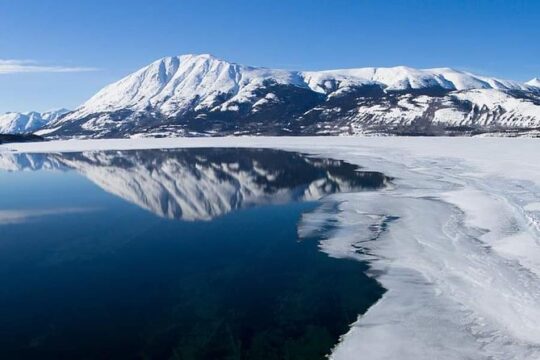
x,y
201,95
19,123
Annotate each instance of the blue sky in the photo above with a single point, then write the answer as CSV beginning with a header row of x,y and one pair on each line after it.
x,y
61,52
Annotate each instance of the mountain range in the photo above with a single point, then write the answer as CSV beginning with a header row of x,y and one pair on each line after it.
x,y
20,123
201,95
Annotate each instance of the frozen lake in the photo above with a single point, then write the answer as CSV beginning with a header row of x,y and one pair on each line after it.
x,y
454,239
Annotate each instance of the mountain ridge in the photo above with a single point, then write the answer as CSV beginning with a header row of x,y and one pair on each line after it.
x,y
191,95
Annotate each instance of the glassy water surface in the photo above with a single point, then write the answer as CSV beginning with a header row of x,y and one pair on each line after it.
x,y
172,254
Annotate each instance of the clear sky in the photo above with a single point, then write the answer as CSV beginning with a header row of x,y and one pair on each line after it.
x,y
57,53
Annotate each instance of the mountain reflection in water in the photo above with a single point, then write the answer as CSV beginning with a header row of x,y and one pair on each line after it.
x,y
200,184
88,275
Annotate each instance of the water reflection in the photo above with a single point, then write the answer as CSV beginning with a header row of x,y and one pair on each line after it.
x,y
200,184
87,275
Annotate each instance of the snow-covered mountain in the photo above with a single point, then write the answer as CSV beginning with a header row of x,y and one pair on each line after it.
x,y
199,184
203,95
534,82
20,123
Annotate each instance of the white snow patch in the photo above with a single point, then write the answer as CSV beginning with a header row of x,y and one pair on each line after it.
x,y
532,207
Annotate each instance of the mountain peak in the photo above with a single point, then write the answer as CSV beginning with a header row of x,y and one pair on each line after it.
x,y
534,82
15,122
188,57
205,56
173,84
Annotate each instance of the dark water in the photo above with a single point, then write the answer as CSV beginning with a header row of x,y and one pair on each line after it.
x,y
172,254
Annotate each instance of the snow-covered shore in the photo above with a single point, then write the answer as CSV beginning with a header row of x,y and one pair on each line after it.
x,y
455,240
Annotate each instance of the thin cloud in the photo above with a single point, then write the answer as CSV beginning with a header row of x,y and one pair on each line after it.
x,y
11,66
21,216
